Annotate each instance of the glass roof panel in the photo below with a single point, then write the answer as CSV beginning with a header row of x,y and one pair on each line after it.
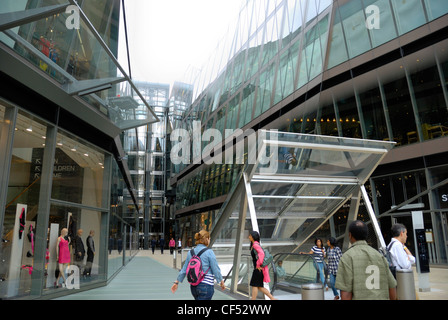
x,y
292,198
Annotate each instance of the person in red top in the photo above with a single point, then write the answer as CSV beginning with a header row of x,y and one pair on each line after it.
x,y
172,245
260,274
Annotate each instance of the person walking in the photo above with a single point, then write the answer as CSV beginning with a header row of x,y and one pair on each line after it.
x,y
260,275
205,289
363,272
153,244
172,245
334,254
162,244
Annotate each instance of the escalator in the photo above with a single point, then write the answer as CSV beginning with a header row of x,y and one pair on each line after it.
x,y
286,281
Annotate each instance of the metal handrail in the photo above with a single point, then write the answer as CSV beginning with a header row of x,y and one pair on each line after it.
x,y
310,256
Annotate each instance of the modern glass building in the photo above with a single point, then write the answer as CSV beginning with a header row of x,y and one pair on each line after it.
x,y
364,69
66,109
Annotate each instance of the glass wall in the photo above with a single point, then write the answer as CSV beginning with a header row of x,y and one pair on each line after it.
x,y
350,37
396,188
21,210
85,189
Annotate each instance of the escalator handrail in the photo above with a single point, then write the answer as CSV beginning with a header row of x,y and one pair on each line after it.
x,y
310,256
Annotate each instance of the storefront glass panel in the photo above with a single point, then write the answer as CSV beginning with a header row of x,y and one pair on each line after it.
x,y
78,171
20,216
77,250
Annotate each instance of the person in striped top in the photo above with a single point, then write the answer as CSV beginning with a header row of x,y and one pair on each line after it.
x,y
318,251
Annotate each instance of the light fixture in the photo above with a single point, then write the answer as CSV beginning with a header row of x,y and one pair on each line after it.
x,y
29,129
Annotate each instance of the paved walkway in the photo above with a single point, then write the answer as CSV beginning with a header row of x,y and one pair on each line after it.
x,y
145,277
150,276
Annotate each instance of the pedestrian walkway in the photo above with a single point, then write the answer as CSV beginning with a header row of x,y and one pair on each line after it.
x,y
145,277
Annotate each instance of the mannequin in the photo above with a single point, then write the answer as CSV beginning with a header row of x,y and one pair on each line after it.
x,y
63,254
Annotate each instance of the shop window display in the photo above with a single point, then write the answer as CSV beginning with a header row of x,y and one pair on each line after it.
x,y
20,215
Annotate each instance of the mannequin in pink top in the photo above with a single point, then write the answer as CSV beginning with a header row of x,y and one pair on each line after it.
x,y
63,254
260,274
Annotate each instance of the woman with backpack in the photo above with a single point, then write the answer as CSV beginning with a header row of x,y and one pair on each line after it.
x,y
201,279
260,275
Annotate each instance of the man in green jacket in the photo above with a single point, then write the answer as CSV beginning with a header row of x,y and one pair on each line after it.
x,y
363,272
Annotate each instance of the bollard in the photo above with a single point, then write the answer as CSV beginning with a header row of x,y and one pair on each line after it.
x,y
405,285
313,291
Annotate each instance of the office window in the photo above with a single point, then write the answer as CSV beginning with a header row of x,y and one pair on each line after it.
x,y
348,117
400,112
338,50
431,103
327,121
436,8
387,30
409,15
246,105
354,24
373,113
286,72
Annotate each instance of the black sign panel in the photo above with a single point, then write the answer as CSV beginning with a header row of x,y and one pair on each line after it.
x,y
422,250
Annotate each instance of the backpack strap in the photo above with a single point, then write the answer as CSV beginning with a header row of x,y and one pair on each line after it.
x,y
200,252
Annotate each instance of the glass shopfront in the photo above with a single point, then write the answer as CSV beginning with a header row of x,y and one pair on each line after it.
x,y
392,190
58,188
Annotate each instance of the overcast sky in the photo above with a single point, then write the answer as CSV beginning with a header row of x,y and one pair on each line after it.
x,y
167,37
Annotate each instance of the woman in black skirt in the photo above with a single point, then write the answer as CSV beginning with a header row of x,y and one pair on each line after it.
x,y
260,274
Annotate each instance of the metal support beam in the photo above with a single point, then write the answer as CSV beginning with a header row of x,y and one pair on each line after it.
x,y
86,87
352,215
38,278
373,218
239,244
14,19
250,204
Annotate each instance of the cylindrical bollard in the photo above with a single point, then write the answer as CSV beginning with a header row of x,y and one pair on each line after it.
x,y
405,285
313,291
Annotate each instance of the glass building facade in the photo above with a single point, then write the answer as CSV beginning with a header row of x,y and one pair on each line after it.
x,y
373,70
65,152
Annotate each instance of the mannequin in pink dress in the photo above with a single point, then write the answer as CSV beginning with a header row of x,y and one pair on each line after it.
x,y
63,254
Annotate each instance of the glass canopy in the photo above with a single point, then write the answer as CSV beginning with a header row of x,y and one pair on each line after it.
x,y
61,42
288,200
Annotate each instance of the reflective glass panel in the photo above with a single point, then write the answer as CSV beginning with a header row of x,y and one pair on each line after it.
x,y
21,210
409,15
78,171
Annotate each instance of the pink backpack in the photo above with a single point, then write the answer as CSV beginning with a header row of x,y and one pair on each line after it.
x,y
195,274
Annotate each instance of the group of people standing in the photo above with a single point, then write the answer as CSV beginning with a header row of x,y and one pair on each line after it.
x,y
63,254
351,273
